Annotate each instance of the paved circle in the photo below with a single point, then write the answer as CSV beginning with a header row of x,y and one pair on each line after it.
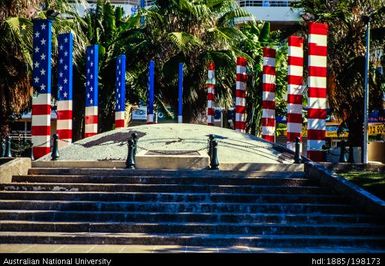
x,y
233,147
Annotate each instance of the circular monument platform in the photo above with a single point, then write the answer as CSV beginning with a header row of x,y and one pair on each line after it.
x,y
176,139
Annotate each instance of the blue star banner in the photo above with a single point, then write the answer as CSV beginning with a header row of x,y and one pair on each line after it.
x,y
180,93
150,94
65,62
120,93
42,51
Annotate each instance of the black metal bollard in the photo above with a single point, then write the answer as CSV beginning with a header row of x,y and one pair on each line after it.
x,y
211,138
351,155
297,156
214,163
55,149
8,152
2,154
342,152
134,137
130,162
32,157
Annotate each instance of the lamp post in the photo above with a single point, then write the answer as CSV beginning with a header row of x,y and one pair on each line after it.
x,y
365,140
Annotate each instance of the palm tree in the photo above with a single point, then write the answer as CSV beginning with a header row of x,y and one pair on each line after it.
x,y
346,45
16,62
195,33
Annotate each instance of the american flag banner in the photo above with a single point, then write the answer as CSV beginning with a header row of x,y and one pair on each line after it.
x,y
91,118
64,103
120,93
268,94
317,91
150,93
41,103
294,90
210,93
180,93
240,95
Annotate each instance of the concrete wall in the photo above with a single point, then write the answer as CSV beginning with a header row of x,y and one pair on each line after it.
x,y
359,196
17,166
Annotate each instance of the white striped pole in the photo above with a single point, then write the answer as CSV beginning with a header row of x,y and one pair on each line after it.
x,y
240,95
317,90
268,95
41,104
210,94
295,89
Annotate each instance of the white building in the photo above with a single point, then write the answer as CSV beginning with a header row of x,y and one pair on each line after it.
x,y
275,11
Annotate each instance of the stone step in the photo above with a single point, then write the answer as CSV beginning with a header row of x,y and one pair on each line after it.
x,y
230,217
174,197
191,239
176,207
263,180
162,188
195,228
161,172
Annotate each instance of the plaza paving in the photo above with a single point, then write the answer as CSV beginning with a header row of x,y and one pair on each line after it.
x,y
233,147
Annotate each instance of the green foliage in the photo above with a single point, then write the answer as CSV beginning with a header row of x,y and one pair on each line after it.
x,y
346,48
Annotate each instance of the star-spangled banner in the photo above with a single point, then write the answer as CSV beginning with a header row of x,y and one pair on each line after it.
x,y
42,50
120,83
92,76
41,78
91,114
64,92
65,47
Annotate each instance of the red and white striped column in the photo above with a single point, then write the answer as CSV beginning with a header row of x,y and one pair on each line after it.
x,y
210,94
240,95
268,95
317,90
294,90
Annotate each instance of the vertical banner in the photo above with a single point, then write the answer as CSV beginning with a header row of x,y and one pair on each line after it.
x,y
268,94
120,93
41,103
180,93
317,91
210,94
64,93
150,93
240,95
294,91
91,117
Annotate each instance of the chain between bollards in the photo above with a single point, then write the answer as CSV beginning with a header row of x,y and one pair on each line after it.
x,y
297,156
55,149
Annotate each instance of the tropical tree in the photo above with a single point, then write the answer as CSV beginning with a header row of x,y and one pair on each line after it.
x,y
16,62
346,56
192,32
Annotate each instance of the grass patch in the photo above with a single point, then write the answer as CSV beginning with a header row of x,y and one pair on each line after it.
x,y
374,182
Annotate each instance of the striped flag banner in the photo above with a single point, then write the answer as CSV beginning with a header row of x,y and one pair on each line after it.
x,y
180,93
64,103
120,93
150,94
268,94
41,104
91,117
317,91
240,95
295,90
210,93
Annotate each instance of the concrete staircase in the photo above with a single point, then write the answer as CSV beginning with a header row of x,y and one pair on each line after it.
x,y
187,208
